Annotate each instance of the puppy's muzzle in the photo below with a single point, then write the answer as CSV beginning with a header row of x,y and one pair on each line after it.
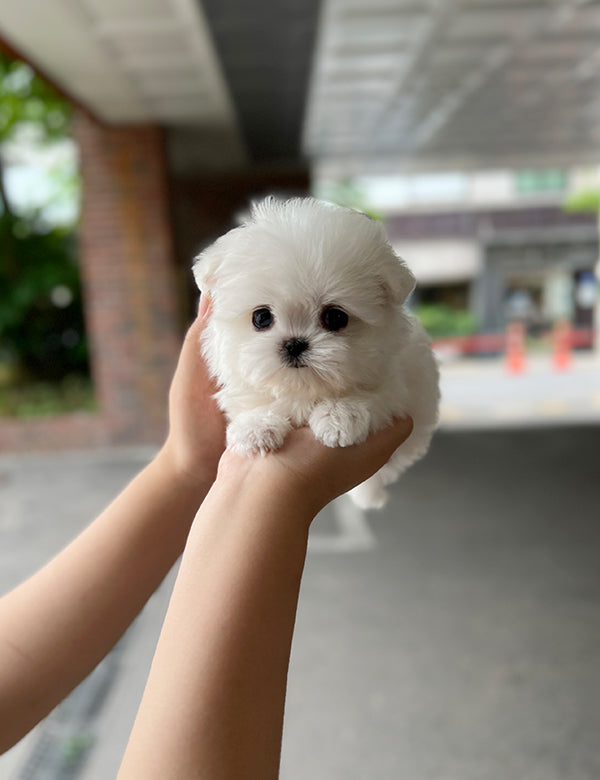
x,y
293,349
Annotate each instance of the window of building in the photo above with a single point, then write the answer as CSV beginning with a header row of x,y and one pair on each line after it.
x,y
529,182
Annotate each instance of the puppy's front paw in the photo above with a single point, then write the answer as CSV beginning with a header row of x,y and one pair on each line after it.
x,y
341,423
257,432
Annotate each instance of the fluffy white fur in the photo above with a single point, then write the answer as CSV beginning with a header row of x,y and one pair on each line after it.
x,y
297,258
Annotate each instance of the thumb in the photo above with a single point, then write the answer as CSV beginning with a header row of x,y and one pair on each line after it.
x,y
383,443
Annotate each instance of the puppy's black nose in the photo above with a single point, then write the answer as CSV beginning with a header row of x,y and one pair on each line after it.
x,y
295,347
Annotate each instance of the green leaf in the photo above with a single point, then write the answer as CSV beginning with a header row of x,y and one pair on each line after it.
x,y
585,201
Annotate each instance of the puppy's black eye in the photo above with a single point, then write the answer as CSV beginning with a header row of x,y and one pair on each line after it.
x,y
333,318
262,318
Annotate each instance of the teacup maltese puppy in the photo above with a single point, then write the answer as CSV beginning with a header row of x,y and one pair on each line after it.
x,y
308,327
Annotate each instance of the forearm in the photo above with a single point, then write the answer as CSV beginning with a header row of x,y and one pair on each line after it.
x,y
60,623
214,701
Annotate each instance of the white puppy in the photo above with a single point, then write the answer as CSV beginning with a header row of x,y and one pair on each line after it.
x,y
308,328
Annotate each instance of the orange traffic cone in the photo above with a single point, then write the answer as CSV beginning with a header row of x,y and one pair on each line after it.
x,y
561,356
515,348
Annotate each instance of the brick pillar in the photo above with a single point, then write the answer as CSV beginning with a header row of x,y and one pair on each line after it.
x,y
128,275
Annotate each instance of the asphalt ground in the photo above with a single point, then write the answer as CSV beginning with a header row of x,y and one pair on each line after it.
x,y
455,635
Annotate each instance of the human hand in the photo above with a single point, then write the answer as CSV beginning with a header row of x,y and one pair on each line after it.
x,y
308,471
196,438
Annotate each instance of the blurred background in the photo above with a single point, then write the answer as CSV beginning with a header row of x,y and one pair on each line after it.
x,y
457,634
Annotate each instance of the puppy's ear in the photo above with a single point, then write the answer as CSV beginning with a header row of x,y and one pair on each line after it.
x,y
398,279
206,267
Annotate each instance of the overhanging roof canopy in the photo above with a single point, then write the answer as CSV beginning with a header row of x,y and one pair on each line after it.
x,y
357,85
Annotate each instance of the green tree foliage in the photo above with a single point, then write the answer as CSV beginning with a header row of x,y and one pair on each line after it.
x,y
346,193
587,201
440,320
41,322
27,98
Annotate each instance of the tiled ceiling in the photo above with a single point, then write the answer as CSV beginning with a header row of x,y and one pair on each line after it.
x,y
451,83
356,85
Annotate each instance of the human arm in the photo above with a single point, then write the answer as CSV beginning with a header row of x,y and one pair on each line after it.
x,y
214,700
56,626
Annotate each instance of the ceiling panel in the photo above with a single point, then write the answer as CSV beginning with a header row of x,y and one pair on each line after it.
x,y
480,82
124,9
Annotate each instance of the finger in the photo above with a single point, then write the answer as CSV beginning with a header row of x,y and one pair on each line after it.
x,y
191,367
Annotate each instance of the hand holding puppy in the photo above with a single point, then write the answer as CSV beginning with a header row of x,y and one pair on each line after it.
x,y
310,474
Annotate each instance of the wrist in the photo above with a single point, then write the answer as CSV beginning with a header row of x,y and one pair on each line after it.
x,y
183,478
267,481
